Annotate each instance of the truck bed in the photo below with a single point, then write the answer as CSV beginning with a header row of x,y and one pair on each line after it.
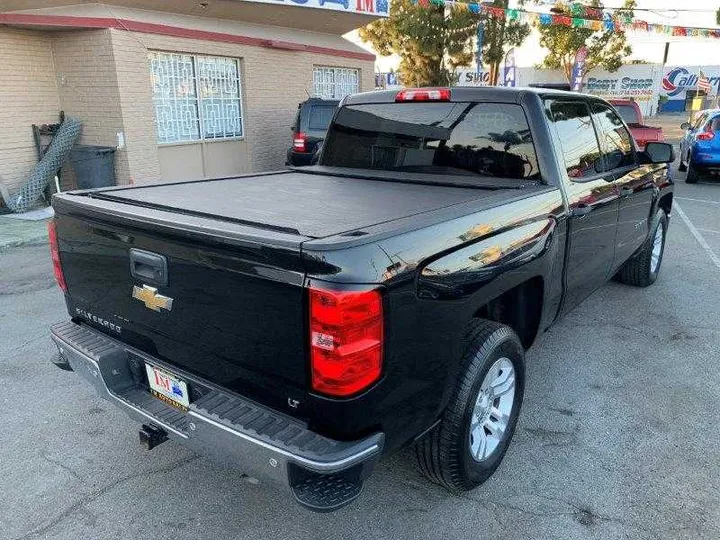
x,y
232,253
310,205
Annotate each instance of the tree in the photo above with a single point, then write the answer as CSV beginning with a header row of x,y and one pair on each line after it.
x,y
432,41
606,48
500,36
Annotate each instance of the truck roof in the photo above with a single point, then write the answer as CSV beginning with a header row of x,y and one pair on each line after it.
x,y
497,94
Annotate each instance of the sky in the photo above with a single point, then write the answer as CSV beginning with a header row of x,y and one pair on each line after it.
x,y
683,51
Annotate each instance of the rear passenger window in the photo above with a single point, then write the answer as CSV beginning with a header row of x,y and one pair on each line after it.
x,y
615,140
320,116
577,137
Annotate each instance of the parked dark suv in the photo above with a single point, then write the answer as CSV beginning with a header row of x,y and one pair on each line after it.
x,y
309,129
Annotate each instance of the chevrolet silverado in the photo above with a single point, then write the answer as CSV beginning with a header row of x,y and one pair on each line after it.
x,y
298,325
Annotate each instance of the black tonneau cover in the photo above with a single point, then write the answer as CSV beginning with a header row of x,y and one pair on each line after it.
x,y
311,205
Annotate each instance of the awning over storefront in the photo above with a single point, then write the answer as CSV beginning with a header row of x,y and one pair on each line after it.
x,y
327,16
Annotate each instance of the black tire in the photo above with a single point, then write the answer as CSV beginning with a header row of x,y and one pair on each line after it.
x,y
692,173
443,455
638,270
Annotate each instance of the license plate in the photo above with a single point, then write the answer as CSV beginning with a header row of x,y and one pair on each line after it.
x,y
168,388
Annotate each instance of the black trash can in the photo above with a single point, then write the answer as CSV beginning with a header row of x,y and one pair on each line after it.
x,y
94,166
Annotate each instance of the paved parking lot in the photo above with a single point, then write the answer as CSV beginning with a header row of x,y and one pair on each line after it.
x,y
619,435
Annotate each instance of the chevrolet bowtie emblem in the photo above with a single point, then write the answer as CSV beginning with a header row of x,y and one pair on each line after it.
x,y
151,299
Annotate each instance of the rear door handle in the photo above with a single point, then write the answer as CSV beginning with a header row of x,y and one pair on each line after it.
x,y
581,210
148,267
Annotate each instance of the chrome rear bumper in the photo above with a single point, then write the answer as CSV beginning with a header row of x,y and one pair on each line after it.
x,y
322,473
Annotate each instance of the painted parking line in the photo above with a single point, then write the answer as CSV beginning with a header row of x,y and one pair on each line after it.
x,y
697,200
699,237
708,230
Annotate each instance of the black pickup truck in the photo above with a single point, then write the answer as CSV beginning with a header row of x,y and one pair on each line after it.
x,y
298,325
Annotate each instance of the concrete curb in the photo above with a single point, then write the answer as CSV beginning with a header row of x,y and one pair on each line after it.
x,y
15,233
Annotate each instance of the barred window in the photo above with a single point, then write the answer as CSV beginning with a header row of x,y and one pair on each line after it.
x,y
335,83
196,97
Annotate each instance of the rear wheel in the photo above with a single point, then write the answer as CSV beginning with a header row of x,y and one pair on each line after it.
x,y
643,268
475,430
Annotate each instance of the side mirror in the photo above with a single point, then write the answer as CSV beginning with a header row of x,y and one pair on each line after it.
x,y
599,165
657,152
685,126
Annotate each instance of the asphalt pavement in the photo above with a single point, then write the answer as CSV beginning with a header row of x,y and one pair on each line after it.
x,y
618,438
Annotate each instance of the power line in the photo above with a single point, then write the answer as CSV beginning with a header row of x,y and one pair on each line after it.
x,y
658,10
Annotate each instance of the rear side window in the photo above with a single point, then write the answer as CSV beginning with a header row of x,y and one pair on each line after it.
x,y
714,124
700,121
319,117
628,113
615,140
577,137
468,139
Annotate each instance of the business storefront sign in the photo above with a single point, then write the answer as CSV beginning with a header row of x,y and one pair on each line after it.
x,y
679,85
679,79
366,7
473,78
640,82
640,89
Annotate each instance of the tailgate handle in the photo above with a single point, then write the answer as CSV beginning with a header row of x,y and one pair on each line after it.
x,y
148,267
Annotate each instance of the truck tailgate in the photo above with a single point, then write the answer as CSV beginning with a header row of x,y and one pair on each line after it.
x,y
236,318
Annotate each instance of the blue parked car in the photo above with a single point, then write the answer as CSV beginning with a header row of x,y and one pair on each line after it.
x,y
700,147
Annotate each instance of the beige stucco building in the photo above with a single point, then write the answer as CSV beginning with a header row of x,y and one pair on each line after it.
x,y
188,89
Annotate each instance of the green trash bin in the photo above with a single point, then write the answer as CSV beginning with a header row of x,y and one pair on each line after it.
x,y
94,166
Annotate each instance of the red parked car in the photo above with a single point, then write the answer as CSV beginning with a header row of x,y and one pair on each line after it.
x,y
630,112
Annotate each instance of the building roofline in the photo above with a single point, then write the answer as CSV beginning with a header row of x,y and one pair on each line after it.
x,y
65,21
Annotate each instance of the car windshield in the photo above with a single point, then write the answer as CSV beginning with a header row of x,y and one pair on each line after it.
x,y
628,113
463,139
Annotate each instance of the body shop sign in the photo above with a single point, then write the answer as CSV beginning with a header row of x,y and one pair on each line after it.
x,y
473,78
625,87
365,7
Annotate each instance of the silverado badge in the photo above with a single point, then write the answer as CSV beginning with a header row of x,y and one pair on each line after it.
x,y
151,299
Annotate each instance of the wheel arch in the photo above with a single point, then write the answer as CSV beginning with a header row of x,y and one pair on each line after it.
x,y
520,308
665,203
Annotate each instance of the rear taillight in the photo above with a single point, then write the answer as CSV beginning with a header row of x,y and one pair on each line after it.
x,y
55,255
423,94
299,140
346,340
706,134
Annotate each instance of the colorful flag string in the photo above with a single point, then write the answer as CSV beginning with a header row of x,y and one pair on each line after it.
x,y
579,16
